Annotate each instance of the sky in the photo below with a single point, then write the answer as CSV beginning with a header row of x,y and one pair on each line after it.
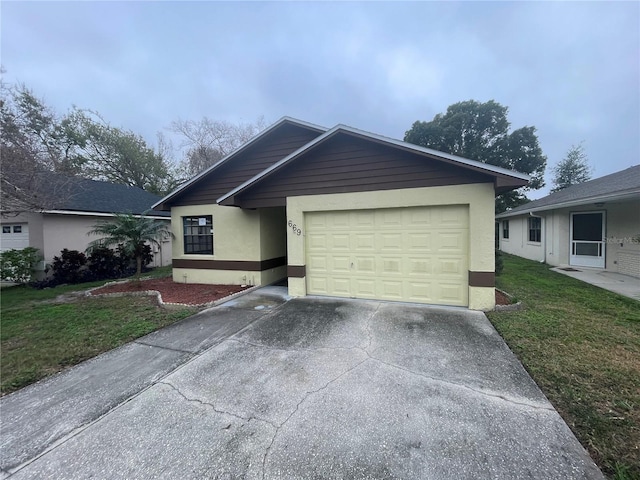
x,y
571,69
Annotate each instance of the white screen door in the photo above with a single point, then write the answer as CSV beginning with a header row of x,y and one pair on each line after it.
x,y
587,246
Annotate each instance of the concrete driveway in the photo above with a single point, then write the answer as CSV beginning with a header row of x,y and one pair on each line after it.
x,y
311,388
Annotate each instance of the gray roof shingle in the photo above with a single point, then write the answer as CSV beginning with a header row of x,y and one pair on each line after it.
x,y
84,195
618,183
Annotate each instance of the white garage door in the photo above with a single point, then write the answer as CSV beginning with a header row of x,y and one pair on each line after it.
x,y
14,236
417,254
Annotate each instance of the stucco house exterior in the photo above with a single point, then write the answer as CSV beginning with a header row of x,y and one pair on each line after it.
x,y
79,204
595,224
341,212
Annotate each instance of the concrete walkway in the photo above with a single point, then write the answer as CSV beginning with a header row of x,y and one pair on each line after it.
x,y
267,387
612,281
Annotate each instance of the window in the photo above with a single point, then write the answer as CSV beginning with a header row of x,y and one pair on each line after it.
x,y
198,235
505,229
535,227
6,229
17,229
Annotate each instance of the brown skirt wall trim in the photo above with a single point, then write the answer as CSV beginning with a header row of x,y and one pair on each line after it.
x,y
482,279
296,271
248,265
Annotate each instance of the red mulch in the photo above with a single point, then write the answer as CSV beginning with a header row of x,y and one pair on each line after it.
x,y
502,299
172,292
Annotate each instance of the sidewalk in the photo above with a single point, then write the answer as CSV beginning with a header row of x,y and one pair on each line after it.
x,y
612,281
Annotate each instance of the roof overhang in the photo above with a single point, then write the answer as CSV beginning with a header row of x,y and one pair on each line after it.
x,y
504,180
607,198
161,205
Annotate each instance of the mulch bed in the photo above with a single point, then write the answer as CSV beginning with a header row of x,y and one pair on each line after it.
x,y
172,292
502,299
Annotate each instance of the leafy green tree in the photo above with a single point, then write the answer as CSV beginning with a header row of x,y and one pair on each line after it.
x,y
131,233
481,131
574,168
120,156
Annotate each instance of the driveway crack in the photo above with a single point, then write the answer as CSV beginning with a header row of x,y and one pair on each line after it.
x,y
306,396
215,409
536,406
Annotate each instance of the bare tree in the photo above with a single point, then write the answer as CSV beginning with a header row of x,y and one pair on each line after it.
x,y
206,141
33,141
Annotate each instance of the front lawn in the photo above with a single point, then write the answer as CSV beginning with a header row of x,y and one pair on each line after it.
x,y
40,335
581,344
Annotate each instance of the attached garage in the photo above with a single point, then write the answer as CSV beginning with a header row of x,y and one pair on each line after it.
x,y
14,236
417,254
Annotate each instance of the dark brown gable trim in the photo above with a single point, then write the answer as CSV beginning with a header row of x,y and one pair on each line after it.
x,y
482,279
296,271
251,266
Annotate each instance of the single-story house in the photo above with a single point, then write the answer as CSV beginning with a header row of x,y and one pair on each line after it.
x,y
77,205
592,224
341,212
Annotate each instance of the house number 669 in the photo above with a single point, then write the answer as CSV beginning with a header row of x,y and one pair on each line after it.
x,y
295,228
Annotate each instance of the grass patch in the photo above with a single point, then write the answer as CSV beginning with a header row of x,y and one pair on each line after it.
x,y
581,344
40,336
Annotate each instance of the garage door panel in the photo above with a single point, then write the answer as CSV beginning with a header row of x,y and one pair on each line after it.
x,y
339,263
317,241
364,241
317,264
419,217
419,292
364,287
450,242
391,266
340,286
419,266
419,242
364,219
417,254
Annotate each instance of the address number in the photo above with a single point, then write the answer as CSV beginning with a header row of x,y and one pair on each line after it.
x,y
295,228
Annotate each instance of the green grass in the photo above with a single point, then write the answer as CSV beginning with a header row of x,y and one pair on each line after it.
x,y
40,336
581,344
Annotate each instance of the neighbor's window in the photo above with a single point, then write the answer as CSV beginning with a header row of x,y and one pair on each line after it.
x,y
535,227
505,229
198,234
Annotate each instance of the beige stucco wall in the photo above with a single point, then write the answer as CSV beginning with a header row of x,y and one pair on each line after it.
x,y
479,198
273,232
70,232
236,232
238,235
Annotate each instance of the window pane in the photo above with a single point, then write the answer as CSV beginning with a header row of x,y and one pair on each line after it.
x,y
587,226
198,234
590,249
6,229
17,229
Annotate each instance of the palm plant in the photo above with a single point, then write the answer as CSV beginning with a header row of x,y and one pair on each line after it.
x,y
131,232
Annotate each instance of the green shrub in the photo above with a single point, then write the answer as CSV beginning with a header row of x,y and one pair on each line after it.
x,y
68,267
499,262
18,265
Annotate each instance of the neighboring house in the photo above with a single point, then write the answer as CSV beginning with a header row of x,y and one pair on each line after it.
x,y
342,212
79,204
592,224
